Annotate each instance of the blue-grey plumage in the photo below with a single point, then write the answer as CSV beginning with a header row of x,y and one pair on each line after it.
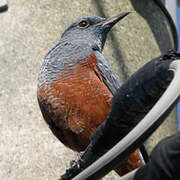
x,y
77,42
66,55
76,83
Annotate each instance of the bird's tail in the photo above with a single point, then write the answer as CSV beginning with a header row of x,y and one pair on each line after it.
x,y
135,160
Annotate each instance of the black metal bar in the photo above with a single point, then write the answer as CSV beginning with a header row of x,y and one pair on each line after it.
x,y
131,103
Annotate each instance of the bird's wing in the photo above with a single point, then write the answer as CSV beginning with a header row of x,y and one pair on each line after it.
x,y
109,77
111,80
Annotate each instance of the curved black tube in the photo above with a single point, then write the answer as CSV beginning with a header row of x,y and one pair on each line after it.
x,y
131,103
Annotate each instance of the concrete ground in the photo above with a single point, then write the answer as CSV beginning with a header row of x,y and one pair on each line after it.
x,y
28,150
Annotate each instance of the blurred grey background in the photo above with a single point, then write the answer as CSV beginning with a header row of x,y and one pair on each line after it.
x,y
28,30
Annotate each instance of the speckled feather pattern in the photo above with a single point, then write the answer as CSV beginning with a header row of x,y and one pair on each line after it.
x,y
73,93
76,85
64,55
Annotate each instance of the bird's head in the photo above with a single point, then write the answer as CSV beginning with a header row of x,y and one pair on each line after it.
x,y
92,28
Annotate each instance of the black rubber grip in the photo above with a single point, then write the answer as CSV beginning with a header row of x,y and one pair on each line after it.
x,y
130,104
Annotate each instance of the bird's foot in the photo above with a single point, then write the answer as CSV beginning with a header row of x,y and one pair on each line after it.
x,y
171,54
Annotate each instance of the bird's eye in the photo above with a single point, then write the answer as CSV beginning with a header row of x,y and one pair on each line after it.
x,y
83,24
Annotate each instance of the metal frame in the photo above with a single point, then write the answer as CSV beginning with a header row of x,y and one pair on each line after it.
x,y
141,132
171,7
170,19
151,121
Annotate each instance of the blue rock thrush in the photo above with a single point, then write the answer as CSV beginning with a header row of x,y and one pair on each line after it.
x,y
76,85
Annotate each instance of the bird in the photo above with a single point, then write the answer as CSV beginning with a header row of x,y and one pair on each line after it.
x,y
76,85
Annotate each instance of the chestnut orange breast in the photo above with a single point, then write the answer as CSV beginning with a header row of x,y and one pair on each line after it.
x,y
76,103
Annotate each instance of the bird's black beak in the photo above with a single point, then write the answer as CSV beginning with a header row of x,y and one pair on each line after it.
x,y
104,26
110,22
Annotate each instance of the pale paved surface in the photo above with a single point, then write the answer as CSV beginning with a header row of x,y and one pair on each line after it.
x,y
28,150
